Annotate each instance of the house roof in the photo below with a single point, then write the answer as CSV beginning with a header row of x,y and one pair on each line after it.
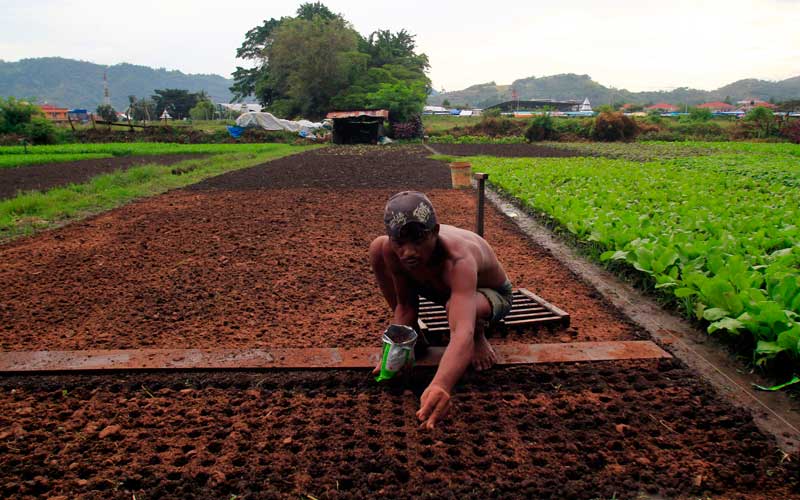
x,y
717,105
663,105
756,102
50,107
376,113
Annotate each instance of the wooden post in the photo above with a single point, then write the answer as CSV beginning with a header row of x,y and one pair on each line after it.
x,y
69,119
481,178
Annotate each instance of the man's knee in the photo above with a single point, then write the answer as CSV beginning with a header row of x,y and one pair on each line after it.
x,y
376,252
483,309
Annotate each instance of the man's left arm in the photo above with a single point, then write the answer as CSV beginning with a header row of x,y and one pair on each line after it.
x,y
435,401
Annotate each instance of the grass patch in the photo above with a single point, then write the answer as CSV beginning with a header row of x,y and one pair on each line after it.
x,y
138,148
35,210
20,160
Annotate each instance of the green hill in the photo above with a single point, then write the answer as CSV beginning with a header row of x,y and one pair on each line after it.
x,y
79,84
572,86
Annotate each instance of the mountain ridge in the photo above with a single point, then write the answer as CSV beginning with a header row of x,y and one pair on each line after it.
x,y
79,84
568,86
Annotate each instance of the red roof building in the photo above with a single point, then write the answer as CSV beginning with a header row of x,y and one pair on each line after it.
x,y
663,107
717,106
749,104
54,112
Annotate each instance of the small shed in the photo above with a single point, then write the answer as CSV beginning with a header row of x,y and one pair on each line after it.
x,y
362,126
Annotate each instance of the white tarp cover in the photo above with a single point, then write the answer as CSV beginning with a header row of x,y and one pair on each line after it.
x,y
269,122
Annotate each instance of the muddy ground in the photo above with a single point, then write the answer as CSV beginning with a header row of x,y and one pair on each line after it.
x,y
50,175
504,150
231,264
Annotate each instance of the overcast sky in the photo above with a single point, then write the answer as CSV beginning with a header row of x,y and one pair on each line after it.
x,y
633,44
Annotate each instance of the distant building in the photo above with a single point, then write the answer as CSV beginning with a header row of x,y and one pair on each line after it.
x,y
54,112
434,110
241,107
748,104
585,107
662,107
717,106
359,126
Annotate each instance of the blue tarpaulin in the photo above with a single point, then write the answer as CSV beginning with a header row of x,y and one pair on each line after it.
x,y
235,132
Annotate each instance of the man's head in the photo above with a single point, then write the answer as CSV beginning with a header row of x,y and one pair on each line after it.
x,y
411,226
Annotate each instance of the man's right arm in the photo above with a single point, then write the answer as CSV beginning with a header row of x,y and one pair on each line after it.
x,y
407,301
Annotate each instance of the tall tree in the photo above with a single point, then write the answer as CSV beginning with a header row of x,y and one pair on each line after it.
x,y
316,61
310,61
177,102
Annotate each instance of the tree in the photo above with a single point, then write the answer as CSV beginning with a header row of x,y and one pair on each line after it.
x,y
143,110
177,102
107,112
256,46
310,62
315,62
764,119
204,110
14,114
446,103
700,114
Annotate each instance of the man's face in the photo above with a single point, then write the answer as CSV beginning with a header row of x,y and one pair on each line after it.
x,y
414,245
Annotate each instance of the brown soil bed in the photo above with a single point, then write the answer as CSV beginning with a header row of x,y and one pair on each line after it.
x,y
50,175
255,266
337,167
504,150
606,430
285,268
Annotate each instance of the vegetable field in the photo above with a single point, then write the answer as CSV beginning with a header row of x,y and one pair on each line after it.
x,y
715,227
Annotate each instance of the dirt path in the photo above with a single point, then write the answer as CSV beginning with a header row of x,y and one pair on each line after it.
x,y
230,263
50,175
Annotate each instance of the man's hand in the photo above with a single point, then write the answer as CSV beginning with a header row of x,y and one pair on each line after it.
x,y
434,405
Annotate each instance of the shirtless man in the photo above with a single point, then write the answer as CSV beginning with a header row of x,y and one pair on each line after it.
x,y
450,266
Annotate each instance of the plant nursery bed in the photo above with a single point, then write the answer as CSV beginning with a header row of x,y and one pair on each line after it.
x,y
626,430
50,175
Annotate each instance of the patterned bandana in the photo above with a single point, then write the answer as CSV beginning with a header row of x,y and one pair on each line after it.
x,y
407,207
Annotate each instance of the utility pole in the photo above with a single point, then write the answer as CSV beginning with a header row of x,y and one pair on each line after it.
x,y
106,95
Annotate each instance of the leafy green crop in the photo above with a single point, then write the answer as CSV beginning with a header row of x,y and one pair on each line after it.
x,y
140,148
19,160
719,233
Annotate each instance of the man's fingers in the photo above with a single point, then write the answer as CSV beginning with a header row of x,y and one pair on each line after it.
x,y
425,409
439,412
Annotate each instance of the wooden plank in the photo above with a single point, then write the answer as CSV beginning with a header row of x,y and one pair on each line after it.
x,y
311,358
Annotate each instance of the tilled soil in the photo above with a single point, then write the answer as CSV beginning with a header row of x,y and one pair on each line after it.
x,y
256,266
50,175
504,150
340,167
605,430
286,268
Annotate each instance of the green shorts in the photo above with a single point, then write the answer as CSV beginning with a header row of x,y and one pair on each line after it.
x,y
500,299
